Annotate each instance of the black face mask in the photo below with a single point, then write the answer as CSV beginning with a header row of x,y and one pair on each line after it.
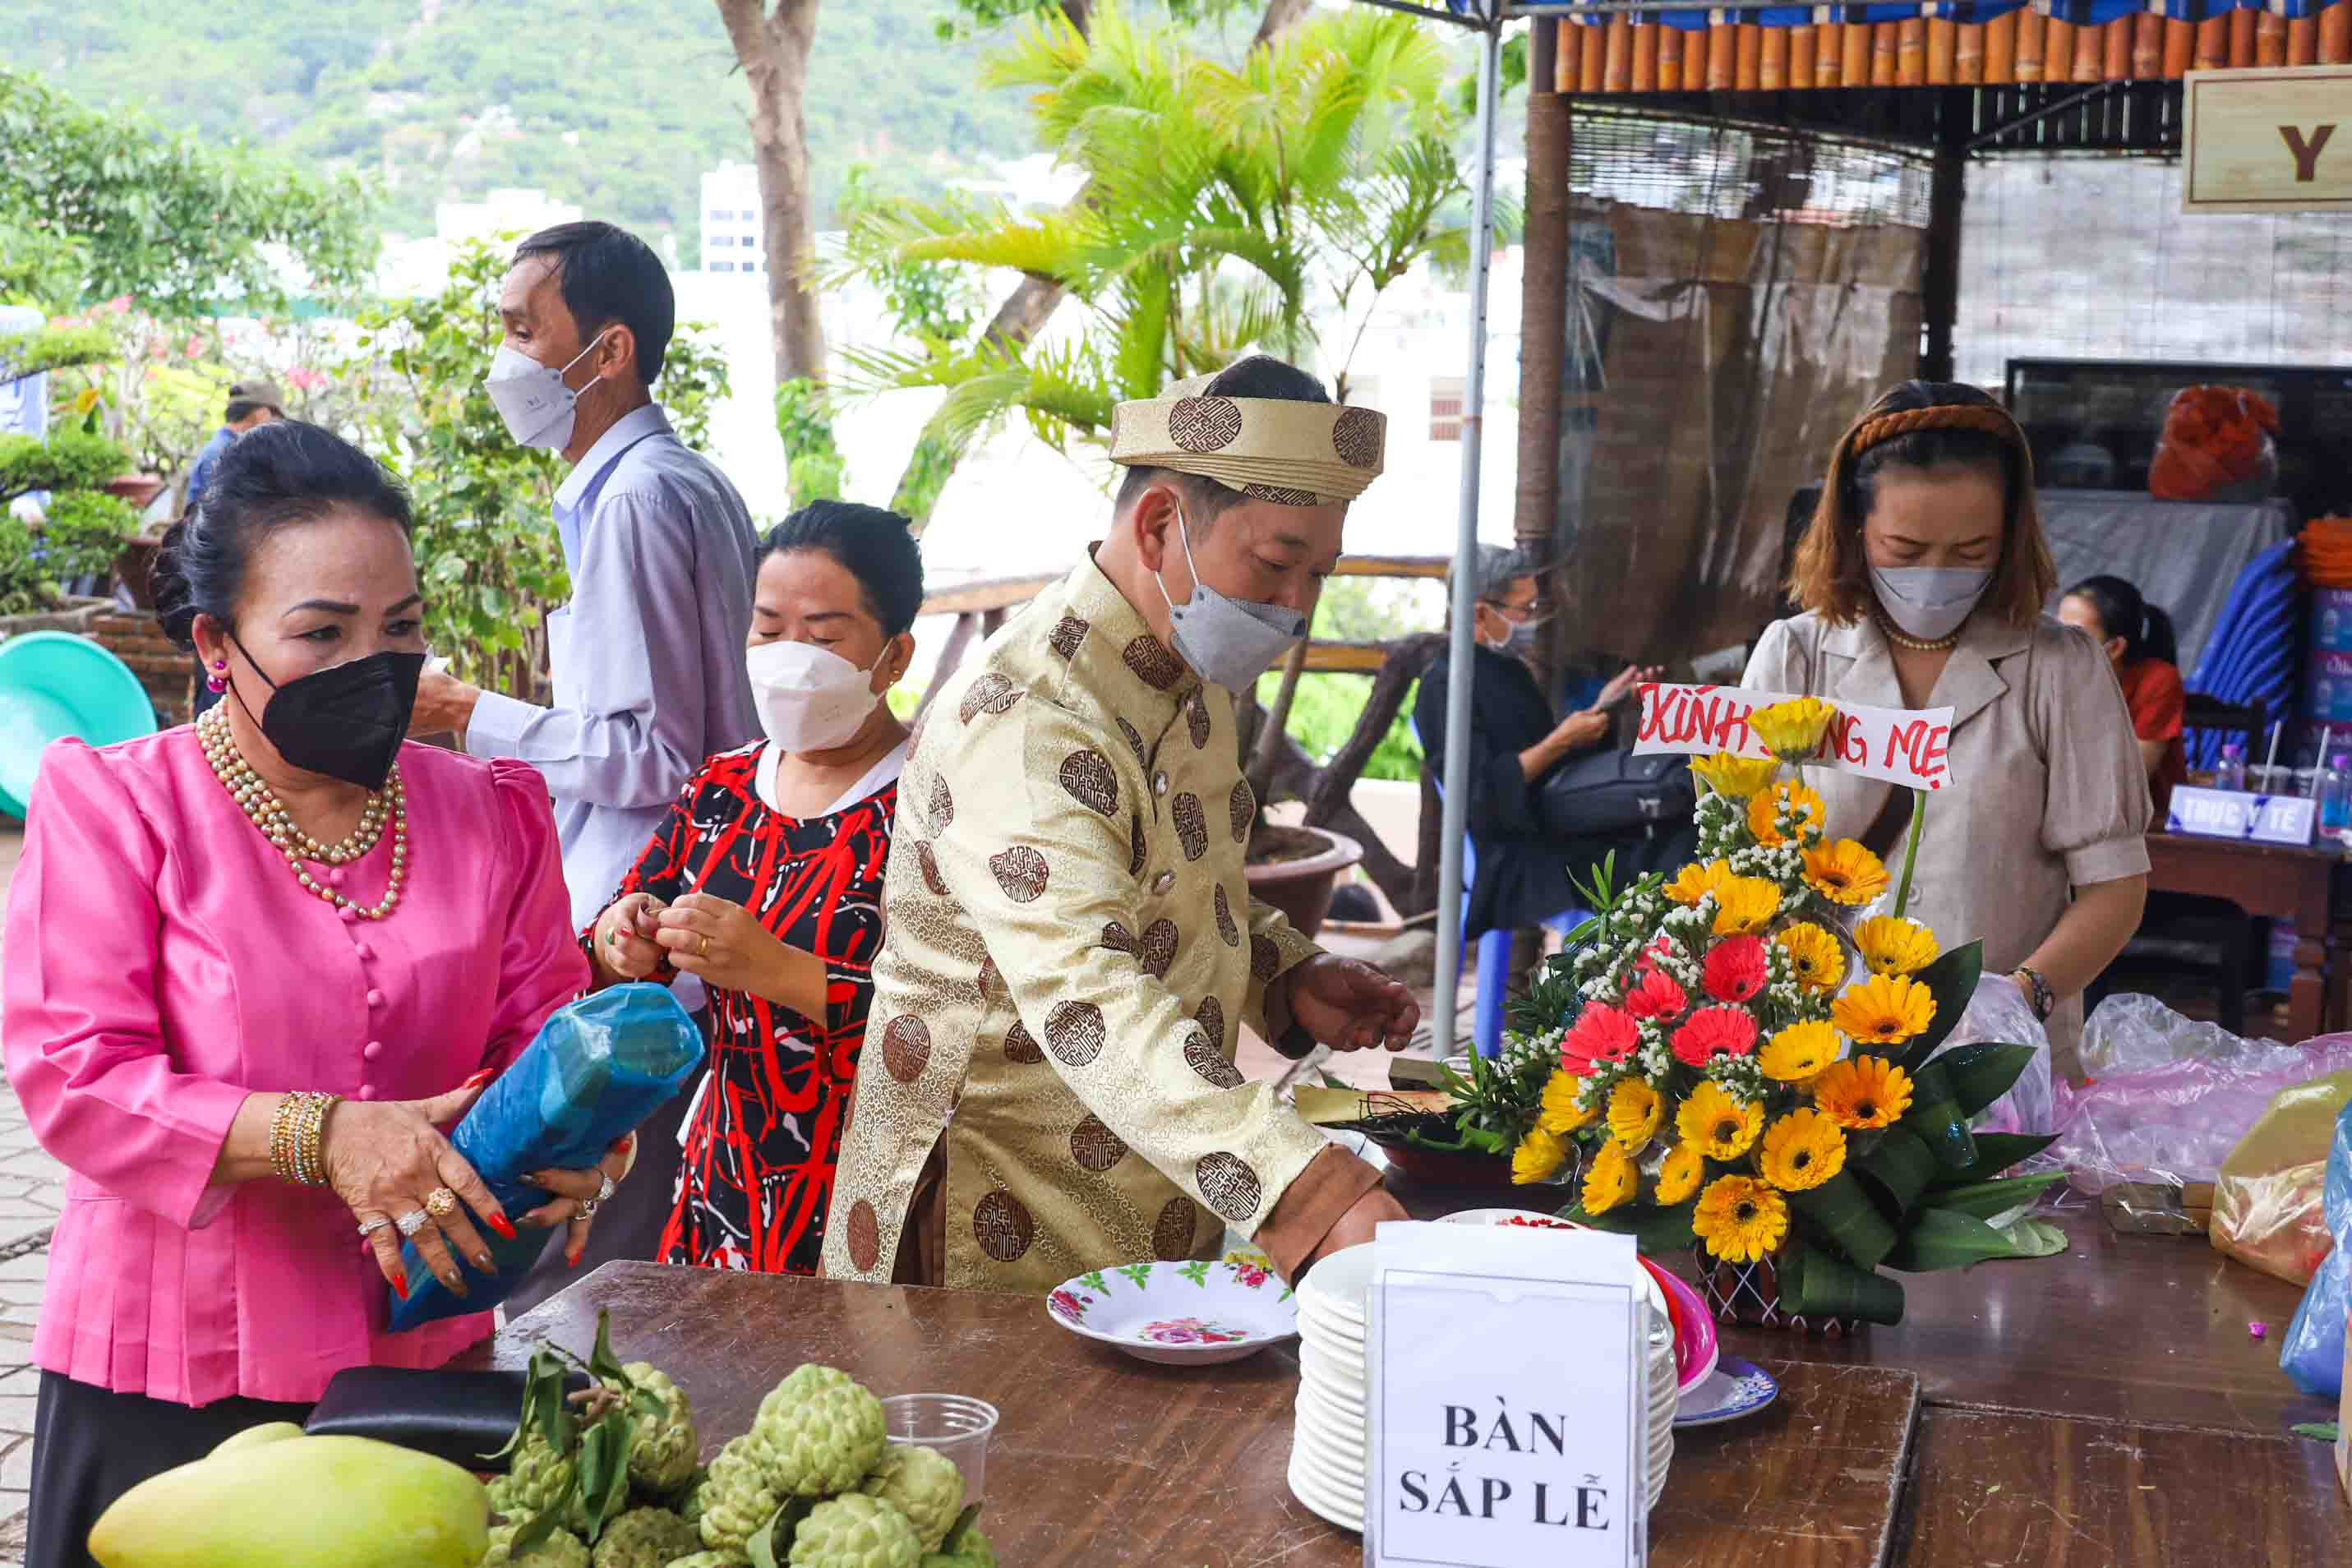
x,y
346,721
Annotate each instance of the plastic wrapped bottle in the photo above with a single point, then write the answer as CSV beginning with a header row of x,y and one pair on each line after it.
x,y
2232,772
2336,796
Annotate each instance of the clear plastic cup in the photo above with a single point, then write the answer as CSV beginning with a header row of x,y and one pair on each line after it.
x,y
953,1425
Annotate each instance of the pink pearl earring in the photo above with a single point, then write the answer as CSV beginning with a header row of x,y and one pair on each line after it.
x,y
218,680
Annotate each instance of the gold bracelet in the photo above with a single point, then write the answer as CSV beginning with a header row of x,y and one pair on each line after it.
x,y
281,1137
317,1170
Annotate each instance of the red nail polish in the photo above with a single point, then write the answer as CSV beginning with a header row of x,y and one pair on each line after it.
x,y
571,1260
480,1078
400,1283
503,1225
628,1141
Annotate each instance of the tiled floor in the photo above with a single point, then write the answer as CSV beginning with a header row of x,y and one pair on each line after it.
x,y
30,1190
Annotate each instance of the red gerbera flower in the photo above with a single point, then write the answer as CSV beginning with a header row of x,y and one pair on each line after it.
x,y
1716,1032
1601,1034
1735,970
1661,946
1657,996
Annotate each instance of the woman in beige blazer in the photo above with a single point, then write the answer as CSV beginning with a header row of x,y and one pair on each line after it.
x,y
1923,577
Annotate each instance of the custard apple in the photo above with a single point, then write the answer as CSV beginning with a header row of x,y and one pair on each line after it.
x,y
973,1550
711,1560
561,1550
739,1496
646,1538
855,1531
687,1502
535,1479
664,1454
923,1483
824,1433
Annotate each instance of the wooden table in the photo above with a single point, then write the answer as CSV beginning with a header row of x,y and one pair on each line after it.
x,y
1102,1459
2278,882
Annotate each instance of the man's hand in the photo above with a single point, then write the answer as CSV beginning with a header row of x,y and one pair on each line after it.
x,y
1356,1227
444,705
1350,1006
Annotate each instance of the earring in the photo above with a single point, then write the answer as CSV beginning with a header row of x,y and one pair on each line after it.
x,y
218,681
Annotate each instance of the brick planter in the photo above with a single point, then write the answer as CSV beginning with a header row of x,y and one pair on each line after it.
x,y
167,671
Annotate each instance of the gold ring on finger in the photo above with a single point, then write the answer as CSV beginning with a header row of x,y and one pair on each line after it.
x,y
704,951
441,1203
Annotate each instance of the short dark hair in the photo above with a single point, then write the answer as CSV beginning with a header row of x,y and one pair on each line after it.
x,y
241,409
1830,573
874,546
608,275
283,474
1260,375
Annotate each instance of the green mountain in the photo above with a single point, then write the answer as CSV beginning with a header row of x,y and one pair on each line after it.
x,y
617,105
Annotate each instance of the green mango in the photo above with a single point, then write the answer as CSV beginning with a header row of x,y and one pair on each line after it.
x,y
323,1502
254,1436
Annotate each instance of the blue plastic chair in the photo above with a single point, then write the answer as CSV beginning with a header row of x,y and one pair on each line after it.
x,y
1495,947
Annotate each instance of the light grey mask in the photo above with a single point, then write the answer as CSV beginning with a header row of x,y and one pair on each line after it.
x,y
1929,602
1229,641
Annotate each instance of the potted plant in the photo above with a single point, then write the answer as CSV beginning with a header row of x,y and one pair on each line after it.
x,y
1295,869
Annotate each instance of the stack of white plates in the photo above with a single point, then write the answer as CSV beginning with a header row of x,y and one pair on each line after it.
x,y
1328,1447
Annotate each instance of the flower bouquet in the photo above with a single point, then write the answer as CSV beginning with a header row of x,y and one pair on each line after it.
x,y
1744,1061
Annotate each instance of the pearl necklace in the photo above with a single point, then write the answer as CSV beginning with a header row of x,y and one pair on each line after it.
x,y
1916,645
269,814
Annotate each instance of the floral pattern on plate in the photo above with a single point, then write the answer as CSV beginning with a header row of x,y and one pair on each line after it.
x,y
1180,1313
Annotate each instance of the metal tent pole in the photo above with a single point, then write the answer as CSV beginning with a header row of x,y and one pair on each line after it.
x,y
1462,650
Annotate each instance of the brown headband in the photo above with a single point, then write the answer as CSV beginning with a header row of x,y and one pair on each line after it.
x,y
1985,416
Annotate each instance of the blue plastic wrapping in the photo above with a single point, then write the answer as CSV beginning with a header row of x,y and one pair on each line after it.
x,y
597,1069
2313,1354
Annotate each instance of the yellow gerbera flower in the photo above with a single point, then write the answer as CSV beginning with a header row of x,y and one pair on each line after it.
x,y
1885,1010
1540,1154
1610,1180
1802,1151
1634,1114
1740,1219
1561,1112
1791,729
1764,813
1746,905
1892,946
1815,955
1797,1052
1679,1177
1695,881
1845,872
1717,1125
1862,1092
1739,777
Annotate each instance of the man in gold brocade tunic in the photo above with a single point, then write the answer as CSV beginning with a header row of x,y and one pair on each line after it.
x,y
1047,1085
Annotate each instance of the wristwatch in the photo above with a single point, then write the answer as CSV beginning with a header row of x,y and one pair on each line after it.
x,y
2043,1000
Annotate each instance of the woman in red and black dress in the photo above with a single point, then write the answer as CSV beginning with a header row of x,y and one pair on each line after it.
x,y
766,881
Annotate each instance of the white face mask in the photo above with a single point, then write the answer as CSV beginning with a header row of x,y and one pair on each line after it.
x,y
1229,642
538,408
810,699
1929,602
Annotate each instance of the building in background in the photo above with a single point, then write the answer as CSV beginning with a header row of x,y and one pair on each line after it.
x,y
407,267
731,239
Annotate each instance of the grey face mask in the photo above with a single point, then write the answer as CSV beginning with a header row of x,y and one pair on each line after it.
x,y
1929,602
1521,638
1229,641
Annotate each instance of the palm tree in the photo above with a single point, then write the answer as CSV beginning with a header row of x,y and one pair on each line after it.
x,y
1233,209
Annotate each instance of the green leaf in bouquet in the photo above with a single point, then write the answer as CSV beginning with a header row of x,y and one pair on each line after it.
x,y
1900,1167
1952,981
1941,1239
1983,1073
1657,1232
1935,1115
1841,1212
1997,1151
1987,1199
1815,1284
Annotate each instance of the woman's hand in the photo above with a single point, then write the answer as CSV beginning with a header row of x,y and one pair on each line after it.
x,y
576,1193
725,947
1579,730
387,1160
625,946
1624,680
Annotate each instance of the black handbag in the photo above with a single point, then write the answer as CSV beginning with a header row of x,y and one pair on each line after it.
x,y
461,1416
1612,790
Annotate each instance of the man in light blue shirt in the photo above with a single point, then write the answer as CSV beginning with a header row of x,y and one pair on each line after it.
x,y
647,658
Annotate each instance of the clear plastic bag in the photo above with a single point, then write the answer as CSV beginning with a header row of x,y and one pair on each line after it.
x,y
2170,1099
1997,1013
2313,1353
2267,1199
596,1070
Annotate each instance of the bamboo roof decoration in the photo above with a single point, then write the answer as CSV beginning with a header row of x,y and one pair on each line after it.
x,y
1617,49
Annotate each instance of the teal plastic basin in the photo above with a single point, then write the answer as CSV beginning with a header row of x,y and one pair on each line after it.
x,y
54,685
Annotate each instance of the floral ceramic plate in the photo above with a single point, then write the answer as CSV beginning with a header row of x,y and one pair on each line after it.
x,y
1179,1314
1736,1388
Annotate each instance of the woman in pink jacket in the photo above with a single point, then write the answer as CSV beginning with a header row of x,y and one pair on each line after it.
x,y
251,965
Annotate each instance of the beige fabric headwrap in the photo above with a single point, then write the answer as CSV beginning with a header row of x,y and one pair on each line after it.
x,y
1295,454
